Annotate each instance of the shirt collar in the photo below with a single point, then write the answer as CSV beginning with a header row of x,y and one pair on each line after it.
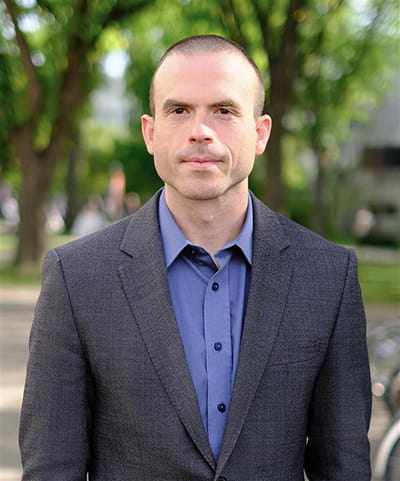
x,y
174,240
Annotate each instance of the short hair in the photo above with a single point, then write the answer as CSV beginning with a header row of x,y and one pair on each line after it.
x,y
211,43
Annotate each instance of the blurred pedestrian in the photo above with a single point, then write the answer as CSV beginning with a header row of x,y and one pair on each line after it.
x,y
131,203
114,201
89,220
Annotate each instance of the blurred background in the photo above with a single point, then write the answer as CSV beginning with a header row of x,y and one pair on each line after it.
x,y
74,79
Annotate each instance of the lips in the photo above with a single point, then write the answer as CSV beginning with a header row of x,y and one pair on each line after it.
x,y
200,160
200,164
201,154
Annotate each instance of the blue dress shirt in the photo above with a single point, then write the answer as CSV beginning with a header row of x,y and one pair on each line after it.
x,y
209,304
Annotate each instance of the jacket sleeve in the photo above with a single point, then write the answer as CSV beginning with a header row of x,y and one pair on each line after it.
x,y
55,417
338,447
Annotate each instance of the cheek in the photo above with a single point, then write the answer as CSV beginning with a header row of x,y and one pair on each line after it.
x,y
163,156
244,147
165,140
160,166
244,158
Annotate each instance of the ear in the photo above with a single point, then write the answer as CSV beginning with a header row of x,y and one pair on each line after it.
x,y
263,129
148,131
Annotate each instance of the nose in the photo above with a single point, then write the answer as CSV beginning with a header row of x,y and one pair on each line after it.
x,y
200,131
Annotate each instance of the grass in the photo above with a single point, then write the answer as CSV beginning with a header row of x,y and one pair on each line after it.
x,y
11,275
380,282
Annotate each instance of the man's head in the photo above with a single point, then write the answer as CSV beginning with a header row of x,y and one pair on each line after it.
x,y
206,127
211,44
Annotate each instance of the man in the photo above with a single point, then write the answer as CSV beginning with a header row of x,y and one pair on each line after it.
x,y
205,337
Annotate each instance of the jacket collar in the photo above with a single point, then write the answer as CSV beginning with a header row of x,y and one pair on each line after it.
x,y
269,286
144,279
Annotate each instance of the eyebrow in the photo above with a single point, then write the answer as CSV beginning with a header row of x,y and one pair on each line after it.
x,y
227,103
173,103
169,103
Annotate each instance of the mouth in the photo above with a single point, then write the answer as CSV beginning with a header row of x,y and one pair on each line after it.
x,y
201,160
200,163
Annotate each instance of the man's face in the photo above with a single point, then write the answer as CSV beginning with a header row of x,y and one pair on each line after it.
x,y
204,134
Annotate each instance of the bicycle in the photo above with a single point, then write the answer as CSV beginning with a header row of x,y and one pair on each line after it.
x,y
384,348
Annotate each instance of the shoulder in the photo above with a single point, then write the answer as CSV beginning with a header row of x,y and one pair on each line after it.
x,y
306,238
108,242
101,241
302,242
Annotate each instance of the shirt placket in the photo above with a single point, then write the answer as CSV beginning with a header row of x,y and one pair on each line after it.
x,y
217,330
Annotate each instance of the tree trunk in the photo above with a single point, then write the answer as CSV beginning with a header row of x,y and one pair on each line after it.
x,y
319,214
282,66
273,193
37,167
36,176
71,183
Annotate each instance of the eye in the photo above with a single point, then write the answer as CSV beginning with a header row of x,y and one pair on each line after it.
x,y
224,111
179,110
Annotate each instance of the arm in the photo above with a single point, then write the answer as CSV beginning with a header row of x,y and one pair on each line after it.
x,y
338,447
55,417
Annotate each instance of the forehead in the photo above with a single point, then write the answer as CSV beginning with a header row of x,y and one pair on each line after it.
x,y
204,72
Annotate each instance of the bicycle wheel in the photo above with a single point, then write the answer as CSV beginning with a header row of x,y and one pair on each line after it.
x,y
393,468
387,464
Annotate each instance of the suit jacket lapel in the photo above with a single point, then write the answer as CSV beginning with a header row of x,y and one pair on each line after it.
x,y
270,278
145,282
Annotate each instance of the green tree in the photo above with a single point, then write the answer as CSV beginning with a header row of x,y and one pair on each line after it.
x,y
269,31
346,59
149,36
49,54
315,57
316,53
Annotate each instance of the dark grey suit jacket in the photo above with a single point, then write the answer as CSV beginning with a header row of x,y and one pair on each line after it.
x,y
108,390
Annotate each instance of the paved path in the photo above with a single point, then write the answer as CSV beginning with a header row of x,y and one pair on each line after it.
x,y
16,308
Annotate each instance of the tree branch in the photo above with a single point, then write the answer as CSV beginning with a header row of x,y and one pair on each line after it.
x,y
289,36
323,23
73,90
231,20
342,85
263,22
35,89
45,5
118,12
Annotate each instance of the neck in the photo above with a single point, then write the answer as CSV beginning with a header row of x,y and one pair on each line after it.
x,y
209,223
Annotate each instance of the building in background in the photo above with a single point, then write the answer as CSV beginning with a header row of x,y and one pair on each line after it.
x,y
375,188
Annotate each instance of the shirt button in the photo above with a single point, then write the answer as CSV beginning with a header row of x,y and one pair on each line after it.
x,y
215,286
221,408
217,346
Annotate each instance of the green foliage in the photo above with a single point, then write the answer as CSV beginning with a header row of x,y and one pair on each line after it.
x,y
156,30
342,73
146,40
344,60
380,282
139,169
50,27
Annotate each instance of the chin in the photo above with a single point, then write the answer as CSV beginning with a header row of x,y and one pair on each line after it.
x,y
203,191
203,194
